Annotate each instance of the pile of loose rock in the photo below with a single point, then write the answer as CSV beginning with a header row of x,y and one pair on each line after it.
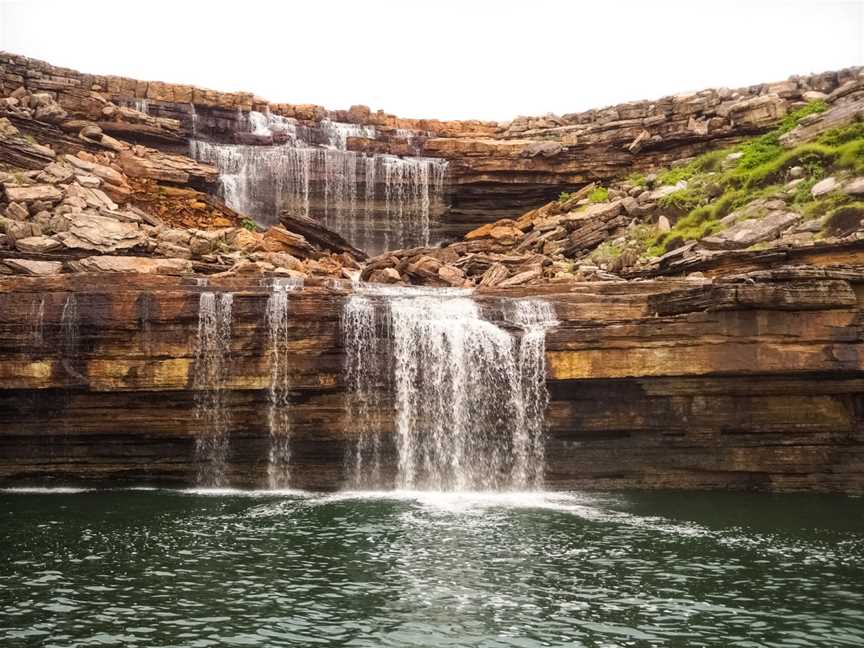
x,y
104,205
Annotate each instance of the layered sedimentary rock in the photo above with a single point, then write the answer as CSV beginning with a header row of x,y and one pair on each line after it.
x,y
752,383
493,170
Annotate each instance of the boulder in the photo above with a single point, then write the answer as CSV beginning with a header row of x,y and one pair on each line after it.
x,y
17,211
385,276
824,186
15,230
56,173
544,149
90,232
32,193
51,113
505,234
98,170
751,231
521,278
452,275
37,244
494,275
854,187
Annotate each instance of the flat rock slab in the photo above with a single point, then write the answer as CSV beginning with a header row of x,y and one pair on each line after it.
x,y
90,232
751,231
134,265
37,244
34,268
45,192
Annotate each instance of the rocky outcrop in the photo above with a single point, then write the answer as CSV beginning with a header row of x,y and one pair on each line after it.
x,y
748,383
495,170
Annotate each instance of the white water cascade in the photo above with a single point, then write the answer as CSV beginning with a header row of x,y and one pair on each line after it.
x,y
375,201
279,413
212,349
37,321
469,396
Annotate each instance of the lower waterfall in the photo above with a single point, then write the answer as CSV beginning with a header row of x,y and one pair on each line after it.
x,y
469,396
279,397
212,348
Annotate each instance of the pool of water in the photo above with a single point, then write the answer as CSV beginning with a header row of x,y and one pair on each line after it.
x,y
205,568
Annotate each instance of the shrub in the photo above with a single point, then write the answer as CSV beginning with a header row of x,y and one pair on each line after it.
x,y
838,136
600,194
806,155
249,224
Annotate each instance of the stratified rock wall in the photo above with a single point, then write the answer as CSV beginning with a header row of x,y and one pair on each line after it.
x,y
495,170
763,390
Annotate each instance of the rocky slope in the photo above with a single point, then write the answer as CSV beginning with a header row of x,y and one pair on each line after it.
x,y
74,198
789,196
495,170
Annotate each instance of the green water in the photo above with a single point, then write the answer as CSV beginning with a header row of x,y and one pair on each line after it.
x,y
163,568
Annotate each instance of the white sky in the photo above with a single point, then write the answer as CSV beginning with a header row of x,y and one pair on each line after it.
x,y
443,58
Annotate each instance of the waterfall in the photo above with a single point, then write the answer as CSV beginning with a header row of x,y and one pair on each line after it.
x,y
193,120
279,414
365,368
70,328
534,317
376,201
469,396
212,349
338,133
37,321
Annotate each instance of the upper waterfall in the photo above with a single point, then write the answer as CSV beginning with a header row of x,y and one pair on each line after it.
x,y
375,201
469,396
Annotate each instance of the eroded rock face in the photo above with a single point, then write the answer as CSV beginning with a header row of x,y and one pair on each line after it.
x,y
495,170
750,383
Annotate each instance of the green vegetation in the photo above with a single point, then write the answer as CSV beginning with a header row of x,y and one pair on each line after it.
x,y
615,255
637,180
704,163
718,182
249,224
600,194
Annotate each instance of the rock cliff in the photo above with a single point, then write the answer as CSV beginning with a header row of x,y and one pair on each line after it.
x,y
495,170
702,254
748,383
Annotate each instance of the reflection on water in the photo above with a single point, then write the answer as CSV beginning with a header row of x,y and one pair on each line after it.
x,y
222,567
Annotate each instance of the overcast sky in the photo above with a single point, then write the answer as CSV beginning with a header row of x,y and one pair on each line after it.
x,y
443,58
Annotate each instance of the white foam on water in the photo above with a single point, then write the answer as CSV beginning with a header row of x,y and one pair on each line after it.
x,y
45,490
242,492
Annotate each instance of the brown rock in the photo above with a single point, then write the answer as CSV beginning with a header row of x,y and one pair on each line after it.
x,y
17,211
46,192
34,268
133,265
385,276
37,244
494,275
452,275
90,232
